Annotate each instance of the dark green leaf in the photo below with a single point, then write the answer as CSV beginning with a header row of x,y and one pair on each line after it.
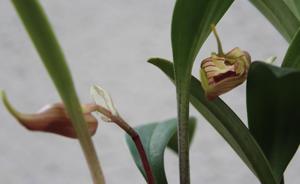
x,y
273,112
155,138
294,6
228,124
292,56
279,14
191,25
44,40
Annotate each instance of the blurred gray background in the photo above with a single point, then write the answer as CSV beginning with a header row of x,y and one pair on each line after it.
x,y
108,42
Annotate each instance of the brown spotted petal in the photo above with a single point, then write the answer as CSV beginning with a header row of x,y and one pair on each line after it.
x,y
53,119
220,74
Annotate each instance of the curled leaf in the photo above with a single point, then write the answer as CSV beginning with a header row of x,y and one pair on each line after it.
x,y
52,118
102,98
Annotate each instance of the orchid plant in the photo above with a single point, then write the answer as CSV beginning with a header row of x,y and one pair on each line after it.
x,y
266,145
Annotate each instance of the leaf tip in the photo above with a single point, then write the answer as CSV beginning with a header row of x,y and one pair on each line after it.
x,y
153,60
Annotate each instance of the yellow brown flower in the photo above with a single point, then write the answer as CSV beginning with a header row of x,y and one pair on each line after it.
x,y
222,72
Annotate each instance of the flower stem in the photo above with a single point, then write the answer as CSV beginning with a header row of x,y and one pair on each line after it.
x,y
220,48
134,136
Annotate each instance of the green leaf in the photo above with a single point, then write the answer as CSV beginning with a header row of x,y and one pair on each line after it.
x,y
44,40
294,6
155,138
279,14
273,112
228,124
292,56
191,25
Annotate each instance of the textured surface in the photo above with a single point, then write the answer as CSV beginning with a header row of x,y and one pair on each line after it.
x,y
108,43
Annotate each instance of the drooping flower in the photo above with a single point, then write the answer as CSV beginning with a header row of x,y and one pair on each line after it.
x,y
222,72
53,119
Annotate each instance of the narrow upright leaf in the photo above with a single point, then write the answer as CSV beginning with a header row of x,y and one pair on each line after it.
x,y
273,112
279,14
155,138
228,124
294,6
191,25
44,40
292,56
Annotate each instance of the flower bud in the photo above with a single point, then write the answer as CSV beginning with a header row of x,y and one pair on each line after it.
x,y
53,119
102,98
222,72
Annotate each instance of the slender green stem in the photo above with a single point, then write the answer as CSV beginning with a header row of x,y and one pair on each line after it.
x,y
183,135
41,34
220,48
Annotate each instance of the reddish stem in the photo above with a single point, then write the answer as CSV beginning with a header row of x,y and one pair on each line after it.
x,y
134,136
